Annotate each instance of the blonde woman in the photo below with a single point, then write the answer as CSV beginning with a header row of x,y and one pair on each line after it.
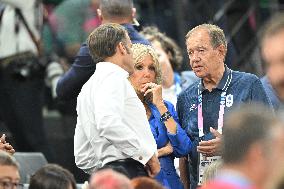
x,y
172,141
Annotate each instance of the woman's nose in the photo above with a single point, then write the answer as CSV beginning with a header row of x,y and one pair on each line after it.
x,y
146,73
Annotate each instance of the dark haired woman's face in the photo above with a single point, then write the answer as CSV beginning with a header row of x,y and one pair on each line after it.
x,y
163,59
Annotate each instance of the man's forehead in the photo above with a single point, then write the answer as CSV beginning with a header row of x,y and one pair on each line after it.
x,y
198,38
202,32
9,172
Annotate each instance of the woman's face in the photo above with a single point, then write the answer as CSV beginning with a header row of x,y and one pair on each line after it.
x,y
144,72
163,59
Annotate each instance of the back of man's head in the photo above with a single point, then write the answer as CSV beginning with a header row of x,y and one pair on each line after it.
x,y
245,127
52,176
8,160
104,39
109,179
115,9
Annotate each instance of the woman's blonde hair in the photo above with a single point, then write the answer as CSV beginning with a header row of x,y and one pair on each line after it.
x,y
140,51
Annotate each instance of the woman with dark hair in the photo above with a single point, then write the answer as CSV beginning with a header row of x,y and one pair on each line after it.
x,y
52,176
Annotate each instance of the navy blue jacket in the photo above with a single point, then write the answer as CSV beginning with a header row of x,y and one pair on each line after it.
x,y
244,87
70,84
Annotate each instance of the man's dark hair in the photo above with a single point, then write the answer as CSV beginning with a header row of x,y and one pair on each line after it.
x,y
104,39
116,8
52,176
243,128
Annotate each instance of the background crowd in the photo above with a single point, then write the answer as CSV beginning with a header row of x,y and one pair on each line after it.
x,y
45,60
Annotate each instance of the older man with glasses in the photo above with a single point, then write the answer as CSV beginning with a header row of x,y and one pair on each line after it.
x,y
9,172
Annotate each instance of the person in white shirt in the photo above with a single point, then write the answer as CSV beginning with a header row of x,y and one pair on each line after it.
x,y
112,129
22,77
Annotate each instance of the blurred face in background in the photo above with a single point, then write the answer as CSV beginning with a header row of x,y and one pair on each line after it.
x,y
273,55
164,61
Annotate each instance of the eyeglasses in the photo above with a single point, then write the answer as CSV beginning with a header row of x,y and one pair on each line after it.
x,y
10,185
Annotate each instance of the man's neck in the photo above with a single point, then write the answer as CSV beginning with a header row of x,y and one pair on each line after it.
x,y
246,172
117,20
115,60
212,81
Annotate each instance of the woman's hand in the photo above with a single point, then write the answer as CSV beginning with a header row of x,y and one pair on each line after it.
x,y
153,92
166,150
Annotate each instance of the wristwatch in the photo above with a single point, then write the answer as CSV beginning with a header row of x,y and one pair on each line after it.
x,y
167,115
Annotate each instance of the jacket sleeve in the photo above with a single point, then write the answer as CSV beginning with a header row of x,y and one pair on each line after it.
x,y
70,84
180,141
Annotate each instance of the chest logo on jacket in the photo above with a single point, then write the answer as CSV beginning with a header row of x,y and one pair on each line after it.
x,y
229,100
193,107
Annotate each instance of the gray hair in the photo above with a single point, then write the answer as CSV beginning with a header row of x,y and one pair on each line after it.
x,y
8,160
216,34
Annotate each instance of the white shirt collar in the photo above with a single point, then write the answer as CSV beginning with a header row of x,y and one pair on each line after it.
x,y
111,66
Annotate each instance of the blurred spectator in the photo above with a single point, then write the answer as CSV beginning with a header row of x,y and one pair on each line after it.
x,y
21,74
68,34
6,146
110,11
278,182
109,179
272,51
170,138
209,99
52,176
9,172
211,172
145,183
252,149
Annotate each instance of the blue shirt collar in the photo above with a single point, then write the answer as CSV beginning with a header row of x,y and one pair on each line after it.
x,y
222,84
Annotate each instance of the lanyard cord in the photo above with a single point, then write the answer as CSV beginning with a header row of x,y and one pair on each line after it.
x,y
222,107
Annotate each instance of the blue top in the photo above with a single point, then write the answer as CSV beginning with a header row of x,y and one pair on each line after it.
x,y
70,84
244,88
270,93
180,142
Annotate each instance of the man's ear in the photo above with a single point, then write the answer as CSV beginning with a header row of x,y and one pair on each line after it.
x,y
121,48
133,12
99,13
222,51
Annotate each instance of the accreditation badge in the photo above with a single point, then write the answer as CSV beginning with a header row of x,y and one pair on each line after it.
x,y
204,162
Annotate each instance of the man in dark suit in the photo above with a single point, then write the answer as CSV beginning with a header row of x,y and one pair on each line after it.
x,y
110,11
